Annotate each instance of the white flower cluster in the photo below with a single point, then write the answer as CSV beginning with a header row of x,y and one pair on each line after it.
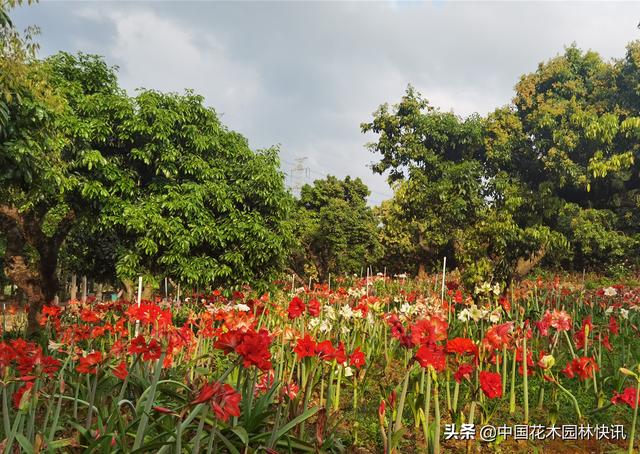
x,y
408,309
476,314
486,288
356,292
330,315
624,313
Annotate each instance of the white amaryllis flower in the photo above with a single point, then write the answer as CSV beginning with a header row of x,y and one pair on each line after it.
x,y
495,315
329,312
242,307
406,309
325,326
464,315
485,287
496,289
609,310
624,313
313,323
610,291
55,345
345,329
346,311
547,362
476,313
370,319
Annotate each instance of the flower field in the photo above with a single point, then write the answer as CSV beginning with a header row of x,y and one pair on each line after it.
x,y
374,365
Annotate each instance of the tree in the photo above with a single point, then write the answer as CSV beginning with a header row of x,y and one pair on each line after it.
x,y
550,178
34,176
569,140
434,159
336,228
450,200
184,196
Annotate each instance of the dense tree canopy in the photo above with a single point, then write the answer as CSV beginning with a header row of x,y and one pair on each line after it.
x,y
183,196
553,176
336,229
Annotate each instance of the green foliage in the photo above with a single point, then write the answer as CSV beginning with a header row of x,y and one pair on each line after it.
x,y
152,184
336,229
185,197
552,176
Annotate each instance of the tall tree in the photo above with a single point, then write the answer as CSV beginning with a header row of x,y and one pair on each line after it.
x,y
336,229
570,141
450,200
184,196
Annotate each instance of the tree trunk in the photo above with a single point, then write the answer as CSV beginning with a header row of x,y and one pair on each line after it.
x,y
147,292
128,289
73,289
422,272
37,280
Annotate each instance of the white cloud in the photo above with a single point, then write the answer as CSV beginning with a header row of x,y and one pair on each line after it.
x,y
155,52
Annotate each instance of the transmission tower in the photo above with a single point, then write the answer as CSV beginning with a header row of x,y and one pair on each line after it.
x,y
299,175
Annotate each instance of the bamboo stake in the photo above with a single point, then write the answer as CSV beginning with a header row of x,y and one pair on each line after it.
x,y
139,301
444,271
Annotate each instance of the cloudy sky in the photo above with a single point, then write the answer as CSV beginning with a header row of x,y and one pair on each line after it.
x,y
304,75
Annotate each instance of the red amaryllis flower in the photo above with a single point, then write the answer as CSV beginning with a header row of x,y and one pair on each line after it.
x,y
89,316
628,396
153,352
313,307
429,331
464,371
461,346
497,336
224,400
229,341
121,370
613,325
18,401
138,345
568,371
51,311
305,347
560,320
357,358
505,303
491,384
583,367
584,333
339,355
254,349
290,390
325,350
398,331
296,308
431,356
89,364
